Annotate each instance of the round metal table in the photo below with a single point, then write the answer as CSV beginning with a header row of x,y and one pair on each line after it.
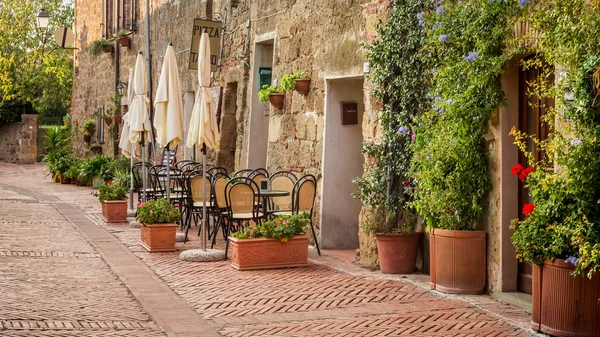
x,y
265,195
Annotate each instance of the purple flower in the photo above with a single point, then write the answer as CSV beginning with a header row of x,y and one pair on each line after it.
x,y
403,130
413,136
576,142
471,56
421,17
443,38
428,96
439,10
523,2
441,110
572,260
450,101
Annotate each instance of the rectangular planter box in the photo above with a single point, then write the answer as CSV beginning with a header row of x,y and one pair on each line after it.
x,y
159,237
114,211
248,254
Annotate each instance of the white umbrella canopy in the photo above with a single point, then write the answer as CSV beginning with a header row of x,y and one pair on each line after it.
x,y
139,120
203,123
168,116
128,148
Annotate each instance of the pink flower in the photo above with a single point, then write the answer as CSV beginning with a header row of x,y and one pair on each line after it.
x,y
170,212
413,136
251,232
277,222
150,211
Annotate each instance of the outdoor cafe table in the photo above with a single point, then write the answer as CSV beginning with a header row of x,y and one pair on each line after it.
x,y
265,195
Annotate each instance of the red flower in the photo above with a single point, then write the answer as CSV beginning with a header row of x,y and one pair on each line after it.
x,y
528,208
525,173
517,169
110,182
406,183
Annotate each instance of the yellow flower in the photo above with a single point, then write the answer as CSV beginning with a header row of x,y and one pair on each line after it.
x,y
284,240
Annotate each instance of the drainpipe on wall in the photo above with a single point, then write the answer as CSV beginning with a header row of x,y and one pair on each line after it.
x,y
149,67
115,126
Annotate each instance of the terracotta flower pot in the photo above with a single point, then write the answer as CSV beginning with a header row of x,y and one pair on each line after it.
x,y
65,180
248,254
397,252
96,150
114,211
91,129
109,49
124,41
302,85
118,119
87,138
158,237
458,261
74,181
277,100
108,121
564,305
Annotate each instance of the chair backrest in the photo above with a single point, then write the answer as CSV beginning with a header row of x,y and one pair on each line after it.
x,y
242,173
195,187
154,179
283,181
216,169
219,182
137,171
181,164
242,195
258,174
305,191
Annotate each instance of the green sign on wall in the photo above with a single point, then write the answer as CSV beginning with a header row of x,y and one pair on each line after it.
x,y
265,75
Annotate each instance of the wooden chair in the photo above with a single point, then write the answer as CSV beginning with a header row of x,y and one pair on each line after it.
x,y
242,195
305,191
219,184
283,181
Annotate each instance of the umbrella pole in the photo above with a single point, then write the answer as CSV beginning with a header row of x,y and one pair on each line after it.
x,y
143,171
168,174
131,181
204,201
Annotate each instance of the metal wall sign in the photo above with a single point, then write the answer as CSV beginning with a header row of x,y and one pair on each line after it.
x,y
214,30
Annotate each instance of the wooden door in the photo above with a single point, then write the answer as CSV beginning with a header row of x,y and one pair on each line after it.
x,y
531,112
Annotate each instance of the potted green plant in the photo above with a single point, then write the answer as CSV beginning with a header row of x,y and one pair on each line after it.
x,y
73,171
273,94
88,128
101,46
283,237
66,119
123,37
91,169
111,112
114,202
158,225
298,81
397,241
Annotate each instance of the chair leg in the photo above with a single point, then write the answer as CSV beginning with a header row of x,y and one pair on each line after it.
x,y
215,232
227,240
315,236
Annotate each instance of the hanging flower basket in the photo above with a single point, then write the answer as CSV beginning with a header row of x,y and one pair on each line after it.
x,y
124,41
276,100
118,119
109,49
91,129
302,85
108,121
87,138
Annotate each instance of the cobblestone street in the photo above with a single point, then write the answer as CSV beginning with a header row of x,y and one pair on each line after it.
x,y
63,272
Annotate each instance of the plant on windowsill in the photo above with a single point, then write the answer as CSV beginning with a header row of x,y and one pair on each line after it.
x,y
88,128
123,37
158,225
114,202
272,94
298,81
101,46
283,237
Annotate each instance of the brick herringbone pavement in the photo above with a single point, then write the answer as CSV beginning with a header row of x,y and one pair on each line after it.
x,y
313,301
53,283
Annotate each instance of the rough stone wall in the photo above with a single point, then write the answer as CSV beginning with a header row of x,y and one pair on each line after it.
x,y
18,141
491,219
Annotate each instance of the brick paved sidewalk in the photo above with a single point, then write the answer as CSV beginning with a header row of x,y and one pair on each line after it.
x,y
329,298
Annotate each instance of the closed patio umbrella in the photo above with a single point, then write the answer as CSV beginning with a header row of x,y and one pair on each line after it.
x,y
128,149
168,117
204,129
139,121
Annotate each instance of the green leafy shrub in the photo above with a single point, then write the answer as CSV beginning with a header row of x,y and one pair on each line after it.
x,y
93,167
266,91
288,82
281,228
111,192
158,212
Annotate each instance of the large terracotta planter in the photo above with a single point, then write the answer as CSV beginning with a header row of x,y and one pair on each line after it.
x,y
302,85
114,211
65,180
277,100
397,252
564,305
458,261
158,237
248,254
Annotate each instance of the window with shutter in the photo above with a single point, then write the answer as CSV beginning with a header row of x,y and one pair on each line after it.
x,y
127,14
108,18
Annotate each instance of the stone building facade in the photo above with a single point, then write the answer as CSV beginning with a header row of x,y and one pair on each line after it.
x,y
322,38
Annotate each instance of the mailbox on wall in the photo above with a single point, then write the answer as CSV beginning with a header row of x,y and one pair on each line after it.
x,y
349,111
265,75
